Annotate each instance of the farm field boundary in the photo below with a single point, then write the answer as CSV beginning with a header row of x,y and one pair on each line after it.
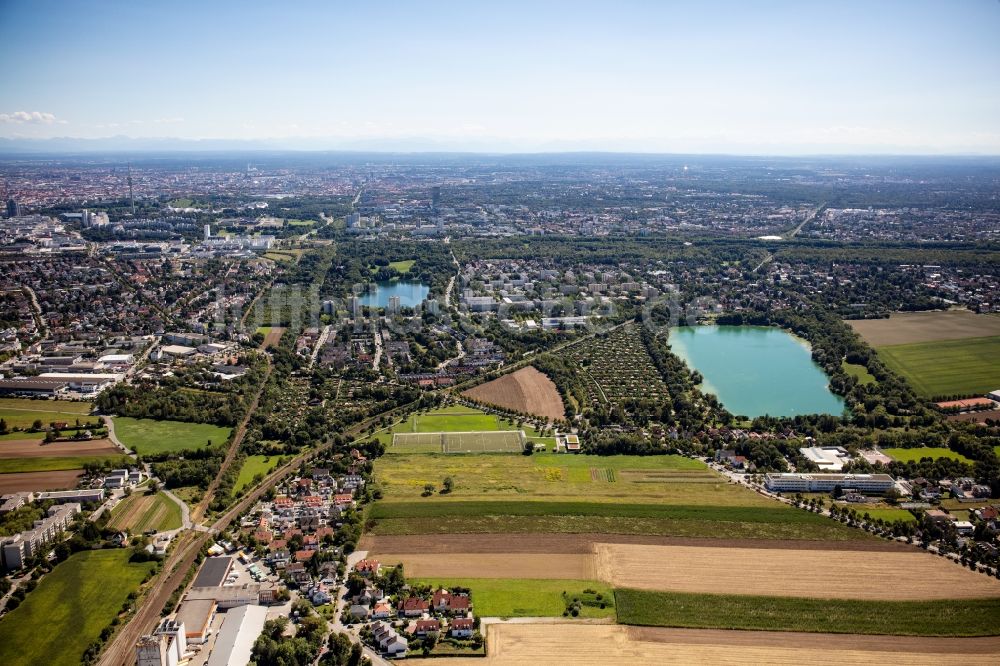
x,y
914,575
584,543
526,390
911,327
947,367
969,617
578,643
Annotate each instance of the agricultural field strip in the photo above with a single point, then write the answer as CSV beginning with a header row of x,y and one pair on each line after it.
x,y
907,328
778,572
537,507
947,367
526,390
790,573
597,644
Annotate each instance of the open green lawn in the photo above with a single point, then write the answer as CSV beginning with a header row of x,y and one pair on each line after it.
x,y
859,371
465,421
19,412
161,513
888,515
947,367
14,465
300,223
935,452
504,597
69,608
253,466
149,437
454,418
976,617
402,266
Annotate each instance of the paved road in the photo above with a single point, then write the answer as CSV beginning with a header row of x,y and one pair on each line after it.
x,y
113,437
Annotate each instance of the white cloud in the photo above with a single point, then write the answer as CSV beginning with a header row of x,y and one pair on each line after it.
x,y
167,121
31,117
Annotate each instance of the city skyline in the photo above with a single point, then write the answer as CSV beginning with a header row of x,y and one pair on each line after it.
x,y
771,78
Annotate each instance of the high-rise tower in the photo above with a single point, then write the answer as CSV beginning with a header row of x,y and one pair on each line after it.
x,y
131,197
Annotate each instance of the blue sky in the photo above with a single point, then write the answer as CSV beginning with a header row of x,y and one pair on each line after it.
x,y
740,77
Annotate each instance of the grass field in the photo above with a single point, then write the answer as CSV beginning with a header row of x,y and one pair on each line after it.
x,y
888,515
253,466
459,420
21,413
81,596
17,465
947,367
975,617
935,452
454,418
402,266
503,597
149,437
730,522
858,371
561,477
143,511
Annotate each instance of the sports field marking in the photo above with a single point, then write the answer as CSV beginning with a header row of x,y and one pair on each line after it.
x,y
472,441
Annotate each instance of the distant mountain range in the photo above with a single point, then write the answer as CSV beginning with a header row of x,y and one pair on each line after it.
x,y
421,145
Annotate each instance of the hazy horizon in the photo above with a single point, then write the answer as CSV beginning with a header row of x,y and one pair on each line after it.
x,y
764,78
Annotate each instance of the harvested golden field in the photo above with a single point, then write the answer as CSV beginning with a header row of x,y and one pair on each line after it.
x,y
37,448
569,566
790,573
527,390
36,481
909,327
584,644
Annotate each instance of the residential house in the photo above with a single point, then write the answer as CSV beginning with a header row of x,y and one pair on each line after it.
x,y
462,627
412,607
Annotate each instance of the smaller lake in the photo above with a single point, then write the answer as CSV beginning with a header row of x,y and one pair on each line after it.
x,y
411,294
756,370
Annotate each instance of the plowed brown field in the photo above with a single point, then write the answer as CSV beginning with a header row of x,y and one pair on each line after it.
x,y
63,480
790,573
36,448
526,390
585,644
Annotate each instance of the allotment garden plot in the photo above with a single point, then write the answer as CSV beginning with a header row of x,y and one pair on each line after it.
x,y
617,367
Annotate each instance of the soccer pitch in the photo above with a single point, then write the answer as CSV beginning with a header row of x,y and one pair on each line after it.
x,y
497,441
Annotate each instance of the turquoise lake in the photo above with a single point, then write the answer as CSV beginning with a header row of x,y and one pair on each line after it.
x,y
411,294
756,370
